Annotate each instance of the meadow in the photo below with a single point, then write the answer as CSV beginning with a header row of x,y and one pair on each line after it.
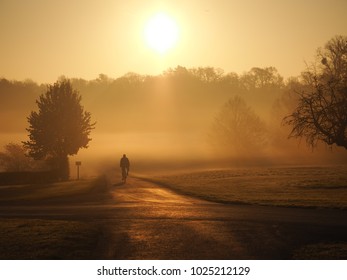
x,y
51,193
293,186
52,236
26,239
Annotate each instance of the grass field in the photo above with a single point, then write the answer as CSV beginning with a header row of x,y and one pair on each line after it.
x,y
64,192
322,251
313,186
47,239
51,238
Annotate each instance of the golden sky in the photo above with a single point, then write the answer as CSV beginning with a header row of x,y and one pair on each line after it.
x,y
43,39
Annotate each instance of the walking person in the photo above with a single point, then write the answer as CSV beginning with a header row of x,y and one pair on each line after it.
x,y
124,165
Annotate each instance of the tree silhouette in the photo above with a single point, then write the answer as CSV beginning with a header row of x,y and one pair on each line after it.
x,y
60,127
321,113
14,159
237,129
259,78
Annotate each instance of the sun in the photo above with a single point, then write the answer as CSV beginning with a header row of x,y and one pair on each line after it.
x,y
161,33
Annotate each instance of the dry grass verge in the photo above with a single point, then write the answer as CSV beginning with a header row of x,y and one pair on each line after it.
x,y
51,238
275,186
37,239
62,192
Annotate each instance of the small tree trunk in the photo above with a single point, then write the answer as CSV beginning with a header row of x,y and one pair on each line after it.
x,y
64,170
60,167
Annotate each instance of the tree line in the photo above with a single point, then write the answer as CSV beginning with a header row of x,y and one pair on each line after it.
x,y
197,91
239,113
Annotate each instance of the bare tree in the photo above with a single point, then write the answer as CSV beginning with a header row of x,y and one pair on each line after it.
x,y
207,74
321,112
237,129
259,78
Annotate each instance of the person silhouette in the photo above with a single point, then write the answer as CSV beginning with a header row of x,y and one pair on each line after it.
x,y
124,165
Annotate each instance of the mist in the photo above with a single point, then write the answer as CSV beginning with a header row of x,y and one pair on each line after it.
x,y
169,120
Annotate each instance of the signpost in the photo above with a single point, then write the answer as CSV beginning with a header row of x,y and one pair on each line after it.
x,y
78,164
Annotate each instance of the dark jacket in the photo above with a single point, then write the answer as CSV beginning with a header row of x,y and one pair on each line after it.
x,y
124,163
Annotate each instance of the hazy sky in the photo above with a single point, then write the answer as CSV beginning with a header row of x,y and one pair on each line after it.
x,y
43,39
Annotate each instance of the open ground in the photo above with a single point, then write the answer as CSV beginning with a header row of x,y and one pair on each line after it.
x,y
104,219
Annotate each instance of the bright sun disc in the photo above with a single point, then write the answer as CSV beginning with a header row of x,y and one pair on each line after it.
x,y
161,33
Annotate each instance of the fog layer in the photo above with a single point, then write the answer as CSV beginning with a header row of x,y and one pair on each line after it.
x,y
173,118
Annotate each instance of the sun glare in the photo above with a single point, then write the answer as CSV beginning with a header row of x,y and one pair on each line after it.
x,y
161,33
